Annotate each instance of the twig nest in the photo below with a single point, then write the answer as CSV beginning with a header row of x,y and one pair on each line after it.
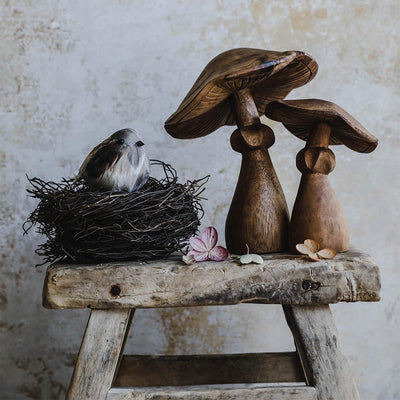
x,y
92,226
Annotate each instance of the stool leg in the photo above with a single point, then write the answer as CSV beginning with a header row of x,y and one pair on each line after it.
x,y
317,343
99,354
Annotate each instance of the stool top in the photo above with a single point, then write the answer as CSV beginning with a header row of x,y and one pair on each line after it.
x,y
282,279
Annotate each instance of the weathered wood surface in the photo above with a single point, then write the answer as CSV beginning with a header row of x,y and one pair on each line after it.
x,y
318,345
138,370
99,354
282,279
212,393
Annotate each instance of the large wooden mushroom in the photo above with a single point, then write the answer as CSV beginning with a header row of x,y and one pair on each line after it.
x,y
317,213
234,88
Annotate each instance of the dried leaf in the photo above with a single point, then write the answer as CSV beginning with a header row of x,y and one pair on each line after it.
x,y
303,249
327,253
188,259
314,256
312,244
250,258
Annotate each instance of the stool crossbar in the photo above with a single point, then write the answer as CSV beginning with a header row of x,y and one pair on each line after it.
x,y
316,370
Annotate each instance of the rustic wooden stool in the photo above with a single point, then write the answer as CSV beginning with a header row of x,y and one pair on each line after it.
x,y
317,370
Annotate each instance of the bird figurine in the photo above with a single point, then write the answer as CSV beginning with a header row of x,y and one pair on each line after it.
x,y
119,163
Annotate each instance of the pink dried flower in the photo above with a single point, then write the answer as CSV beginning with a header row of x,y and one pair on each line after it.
x,y
205,248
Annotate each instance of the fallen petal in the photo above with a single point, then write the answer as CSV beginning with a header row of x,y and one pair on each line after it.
x,y
245,259
314,256
188,259
250,258
218,253
303,249
312,244
210,237
198,255
197,244
327,253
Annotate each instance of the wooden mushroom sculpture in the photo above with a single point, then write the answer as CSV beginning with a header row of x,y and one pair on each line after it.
x,y
234,88
317,213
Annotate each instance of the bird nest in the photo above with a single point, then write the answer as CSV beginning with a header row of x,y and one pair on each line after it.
x,y
82,225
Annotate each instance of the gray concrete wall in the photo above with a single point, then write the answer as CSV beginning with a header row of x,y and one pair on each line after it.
x,y
72,72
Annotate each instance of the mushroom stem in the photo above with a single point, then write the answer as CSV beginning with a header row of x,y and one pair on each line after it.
x,y
245,109
317,213
316,157
247,118
320,136
258,215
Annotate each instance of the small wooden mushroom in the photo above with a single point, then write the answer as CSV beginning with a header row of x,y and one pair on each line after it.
x,y
234,88
317,213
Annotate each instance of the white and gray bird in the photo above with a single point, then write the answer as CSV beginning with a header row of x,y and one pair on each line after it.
x,y
119,163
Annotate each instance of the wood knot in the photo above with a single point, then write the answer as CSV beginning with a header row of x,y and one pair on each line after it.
x,y
115,290
308,285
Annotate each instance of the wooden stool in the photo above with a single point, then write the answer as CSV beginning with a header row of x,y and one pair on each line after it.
x,y
317,370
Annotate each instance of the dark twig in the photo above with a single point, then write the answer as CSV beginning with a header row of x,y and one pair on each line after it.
x,y
92,226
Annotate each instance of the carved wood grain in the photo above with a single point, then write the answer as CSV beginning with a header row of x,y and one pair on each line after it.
x,y
235,87
317,213
258,216
270,75
301,116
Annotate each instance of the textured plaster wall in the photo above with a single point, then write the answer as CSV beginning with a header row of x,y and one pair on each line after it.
x,y
72,72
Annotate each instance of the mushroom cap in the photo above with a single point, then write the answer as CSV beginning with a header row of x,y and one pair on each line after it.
x,y
301,116
270,75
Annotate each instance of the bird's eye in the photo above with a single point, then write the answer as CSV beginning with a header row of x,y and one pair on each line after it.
x,y
121,141
139,143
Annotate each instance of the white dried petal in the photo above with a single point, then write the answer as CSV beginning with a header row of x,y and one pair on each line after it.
x,y
251,259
